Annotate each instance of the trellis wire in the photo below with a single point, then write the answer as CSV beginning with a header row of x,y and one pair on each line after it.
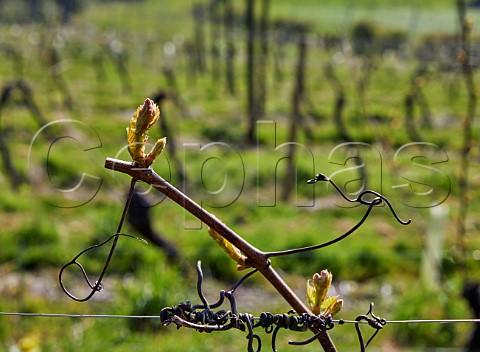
x,y
224,320
68,315
337,321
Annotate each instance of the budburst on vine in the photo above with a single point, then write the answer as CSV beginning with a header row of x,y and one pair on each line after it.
x,y
231,250
144,117
317,288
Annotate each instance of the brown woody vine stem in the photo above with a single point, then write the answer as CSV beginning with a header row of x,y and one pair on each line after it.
x,y
256,258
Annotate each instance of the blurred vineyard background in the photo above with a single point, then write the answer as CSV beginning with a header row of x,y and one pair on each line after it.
x,y
372,92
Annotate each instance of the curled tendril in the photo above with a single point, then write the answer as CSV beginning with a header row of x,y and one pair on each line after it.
x,y
372,320
98,285
378,200
201,317
361,199
275,322
205,320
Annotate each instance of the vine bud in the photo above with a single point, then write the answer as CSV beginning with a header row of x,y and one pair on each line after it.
x,y
317,289
144,117
156,151
230,249
336,307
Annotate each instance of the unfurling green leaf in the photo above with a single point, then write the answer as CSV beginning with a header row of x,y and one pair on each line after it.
x,y
334,308
328,302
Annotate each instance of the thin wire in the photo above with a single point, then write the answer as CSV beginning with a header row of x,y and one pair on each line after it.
x,y
338,321
426,321
413,321
65,315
